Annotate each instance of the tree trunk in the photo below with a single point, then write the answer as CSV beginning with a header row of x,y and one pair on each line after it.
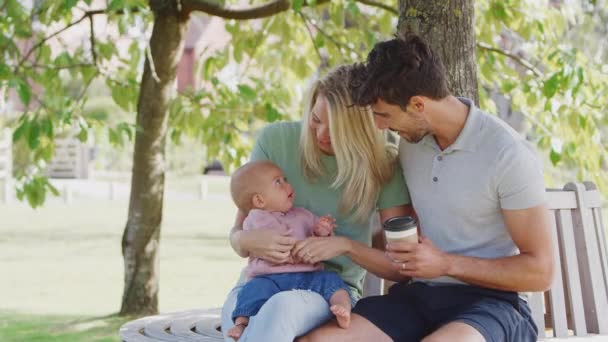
x,y
448,26
140,240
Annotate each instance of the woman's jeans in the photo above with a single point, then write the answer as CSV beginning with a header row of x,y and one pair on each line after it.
x,y
285,316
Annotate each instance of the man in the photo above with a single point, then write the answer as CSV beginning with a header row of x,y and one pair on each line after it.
x,y
477,189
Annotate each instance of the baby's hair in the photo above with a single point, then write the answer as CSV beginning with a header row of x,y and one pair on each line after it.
x,y
245,183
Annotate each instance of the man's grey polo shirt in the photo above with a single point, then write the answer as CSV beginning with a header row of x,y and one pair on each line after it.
x,y
458,193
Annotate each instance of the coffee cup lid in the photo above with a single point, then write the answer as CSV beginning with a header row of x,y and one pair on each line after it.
x,y
399,223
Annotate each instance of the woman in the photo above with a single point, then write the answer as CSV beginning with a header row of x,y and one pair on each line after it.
x,y
339,164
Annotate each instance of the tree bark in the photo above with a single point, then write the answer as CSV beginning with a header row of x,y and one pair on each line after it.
x,y
448,26
140,240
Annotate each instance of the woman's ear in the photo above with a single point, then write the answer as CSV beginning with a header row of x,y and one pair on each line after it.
x,y
258,201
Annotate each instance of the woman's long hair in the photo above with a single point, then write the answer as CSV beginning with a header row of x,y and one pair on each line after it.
x,y
364,158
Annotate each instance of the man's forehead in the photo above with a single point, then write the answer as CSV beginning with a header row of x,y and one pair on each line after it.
x,y
381,108
381,105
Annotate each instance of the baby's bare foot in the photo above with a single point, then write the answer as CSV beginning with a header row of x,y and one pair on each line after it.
x,y
236,331
342,315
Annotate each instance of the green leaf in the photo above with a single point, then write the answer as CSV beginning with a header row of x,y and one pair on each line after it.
x,y
582,121
319,40
21,130
83,134
68,4
122,97
247,92
271,113
47,127
555,157
296,5
88,73
33,137
352,7
24,91
540,27
5,72
499,10
106,50
63,59
551,85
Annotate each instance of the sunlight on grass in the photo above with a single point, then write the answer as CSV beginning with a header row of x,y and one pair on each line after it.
x,y
66,259
57,328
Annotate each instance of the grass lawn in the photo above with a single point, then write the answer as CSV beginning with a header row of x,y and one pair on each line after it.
x,y
58,328
63,272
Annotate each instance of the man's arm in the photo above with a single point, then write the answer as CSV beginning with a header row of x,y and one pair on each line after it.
x,y
531,270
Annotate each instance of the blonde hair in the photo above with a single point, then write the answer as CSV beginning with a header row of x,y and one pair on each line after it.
x,y
365,159
245,183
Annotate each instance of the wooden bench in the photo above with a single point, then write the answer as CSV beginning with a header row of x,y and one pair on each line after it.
x,y
575,308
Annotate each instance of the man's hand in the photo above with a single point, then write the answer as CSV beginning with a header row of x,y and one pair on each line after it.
x,y
325,226
420,260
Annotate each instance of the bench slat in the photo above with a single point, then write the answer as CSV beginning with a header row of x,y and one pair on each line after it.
x,y
567,199
132,331
567,247
594,291
601,241
184,326
556,294
159,329
561,199
537,306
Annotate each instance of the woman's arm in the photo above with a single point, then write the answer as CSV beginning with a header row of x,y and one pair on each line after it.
x,y
236,234
262,243
374,259
316,249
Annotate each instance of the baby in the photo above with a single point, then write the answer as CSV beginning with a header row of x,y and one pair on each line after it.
x,y
260,189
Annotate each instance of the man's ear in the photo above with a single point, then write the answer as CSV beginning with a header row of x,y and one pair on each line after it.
x,y
417,104
258,201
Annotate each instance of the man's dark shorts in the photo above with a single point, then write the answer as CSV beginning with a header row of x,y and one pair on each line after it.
x,y
412,311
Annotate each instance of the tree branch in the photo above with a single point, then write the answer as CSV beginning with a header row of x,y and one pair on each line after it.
x,y
516,58
312,38
379,5
59,67
328,36
40,43
92,39
87,14
253,12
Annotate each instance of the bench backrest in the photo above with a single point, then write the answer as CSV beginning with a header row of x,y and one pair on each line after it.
x,y
578,298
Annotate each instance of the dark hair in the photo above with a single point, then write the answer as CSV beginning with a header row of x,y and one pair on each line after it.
x,y
398,69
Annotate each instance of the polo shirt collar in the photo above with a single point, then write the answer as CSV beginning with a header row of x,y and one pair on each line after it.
x,y
468,138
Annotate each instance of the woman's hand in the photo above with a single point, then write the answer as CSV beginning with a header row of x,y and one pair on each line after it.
x,y
268,245
316,249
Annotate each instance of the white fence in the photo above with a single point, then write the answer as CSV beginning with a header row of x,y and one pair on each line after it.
x,y
205,188
6,164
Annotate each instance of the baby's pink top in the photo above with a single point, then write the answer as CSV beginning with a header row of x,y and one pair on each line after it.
x,y
297,222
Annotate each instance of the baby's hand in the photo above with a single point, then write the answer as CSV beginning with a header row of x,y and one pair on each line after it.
x,y
325,226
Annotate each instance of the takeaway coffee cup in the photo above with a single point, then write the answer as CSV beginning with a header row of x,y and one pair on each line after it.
x,y
401,228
